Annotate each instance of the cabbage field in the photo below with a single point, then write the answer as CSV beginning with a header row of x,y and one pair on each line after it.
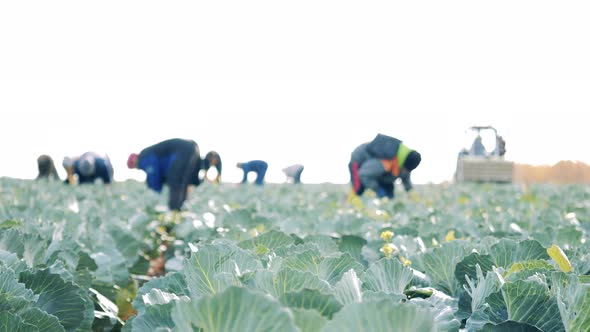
x,y
470,257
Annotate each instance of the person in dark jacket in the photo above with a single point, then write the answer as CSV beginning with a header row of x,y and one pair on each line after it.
x,y
294,172
46,168
376,165
88,167
257,166
212,159
500,146
173,162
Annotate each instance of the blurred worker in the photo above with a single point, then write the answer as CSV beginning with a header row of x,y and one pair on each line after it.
x,y
257,166
477,147
173,162
294,172
378,164
46,168
212,159
88,167
500,146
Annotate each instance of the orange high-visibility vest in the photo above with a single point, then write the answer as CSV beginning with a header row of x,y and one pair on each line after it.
x,y
391,165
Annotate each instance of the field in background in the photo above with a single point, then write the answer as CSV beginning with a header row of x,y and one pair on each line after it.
x,y
564,172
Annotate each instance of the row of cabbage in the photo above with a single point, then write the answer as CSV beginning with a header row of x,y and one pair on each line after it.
x,y
294,258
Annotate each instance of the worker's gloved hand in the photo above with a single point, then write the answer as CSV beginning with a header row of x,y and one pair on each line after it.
x,y
351,195
354,200
176,216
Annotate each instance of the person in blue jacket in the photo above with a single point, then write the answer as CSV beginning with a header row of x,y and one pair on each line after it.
x,y
257,166
212,159
88,167
173,162
377,164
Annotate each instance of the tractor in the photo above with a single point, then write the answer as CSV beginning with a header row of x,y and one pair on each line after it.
x,y
477,164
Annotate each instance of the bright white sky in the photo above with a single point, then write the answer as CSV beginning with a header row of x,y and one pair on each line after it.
x,y
292,81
